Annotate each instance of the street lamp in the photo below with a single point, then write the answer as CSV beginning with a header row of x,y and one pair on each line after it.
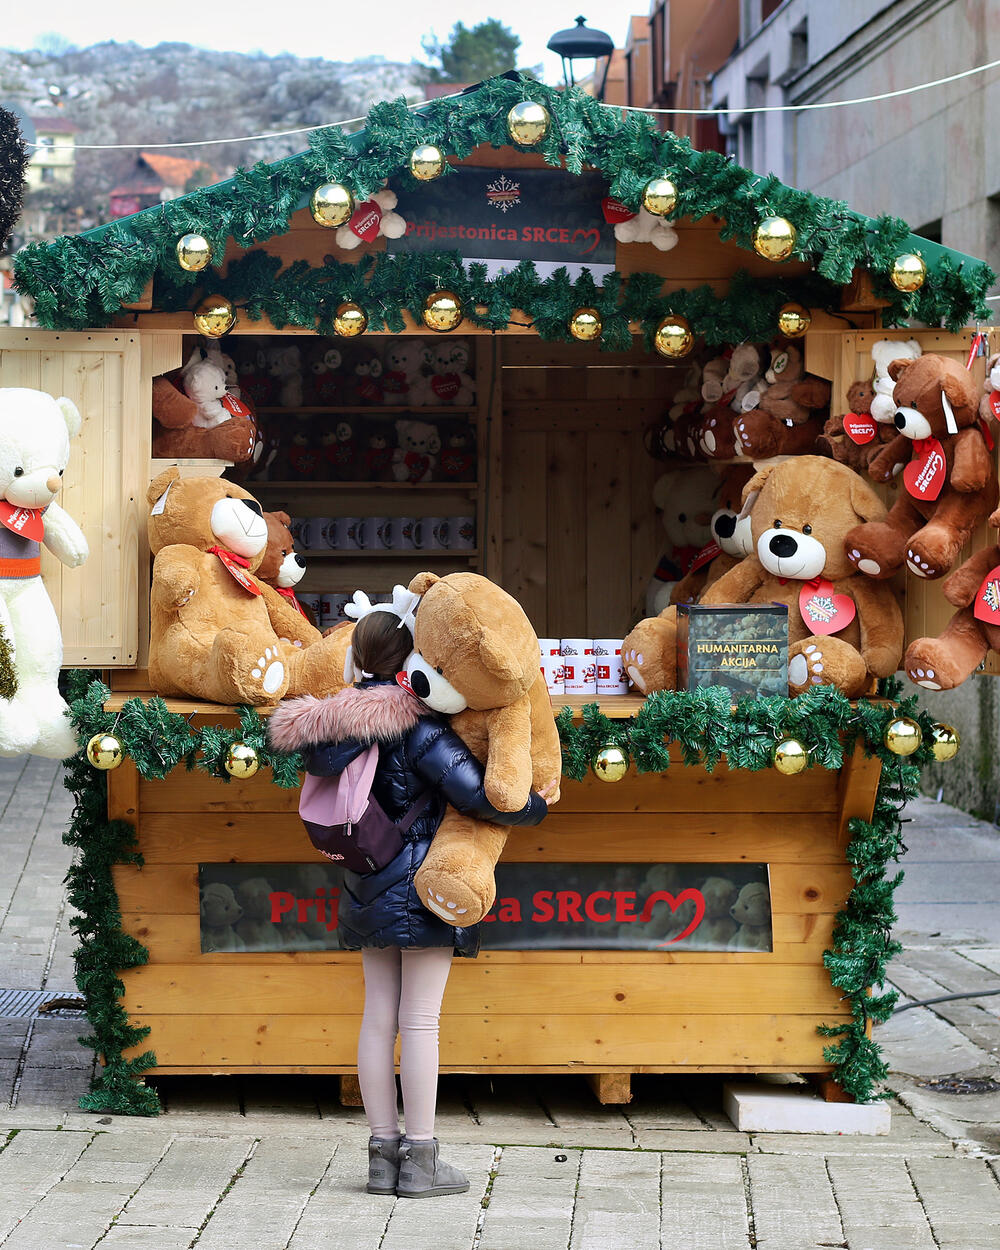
x,y
581,43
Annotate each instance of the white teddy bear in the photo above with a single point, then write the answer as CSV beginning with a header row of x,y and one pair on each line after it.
x,y
884,352
285,365
684,499
647,227
402,377
415,457
35,431
204,381
449,382
374,215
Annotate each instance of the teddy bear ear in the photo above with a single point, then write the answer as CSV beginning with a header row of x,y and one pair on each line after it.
x,y
898,367
71,415
161,484
282,518
864,501
423,582
753,489
497,657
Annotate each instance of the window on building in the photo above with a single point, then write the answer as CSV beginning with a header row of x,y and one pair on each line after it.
x,y
767,7
932,231
658,51
799,57
46,141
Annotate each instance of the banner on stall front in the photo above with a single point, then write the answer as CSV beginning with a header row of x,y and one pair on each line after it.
x,y
692,907
500,217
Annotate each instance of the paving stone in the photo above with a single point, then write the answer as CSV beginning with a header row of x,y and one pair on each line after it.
x,y
188,1180
961,1201
69,1215
448,1222
148,1237
341,1215
879,1207
891,1147
793,1203
920,1043
126,1156
531,1203
54,1043
12,1034
693,1140
703,1203
618,1200
52,1087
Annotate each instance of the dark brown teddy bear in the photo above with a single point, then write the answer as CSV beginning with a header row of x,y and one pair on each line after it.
x,y
849,449
782,424
949,485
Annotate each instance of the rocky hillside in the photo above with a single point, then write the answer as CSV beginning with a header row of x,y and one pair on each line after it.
x,y
122,93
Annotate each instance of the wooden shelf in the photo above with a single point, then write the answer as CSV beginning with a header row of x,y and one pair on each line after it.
x,y
410,553
372,410
437,488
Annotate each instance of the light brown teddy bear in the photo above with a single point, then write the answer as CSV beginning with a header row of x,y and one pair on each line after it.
x,y
843,629
216,632
219,912
476,659
752,912
718,927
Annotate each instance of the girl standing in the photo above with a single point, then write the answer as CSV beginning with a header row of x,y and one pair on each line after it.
x,y
406,950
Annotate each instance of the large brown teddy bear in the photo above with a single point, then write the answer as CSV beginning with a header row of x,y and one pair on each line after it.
x,y
948,486
216,632
843,629
944,662
476,658
175,437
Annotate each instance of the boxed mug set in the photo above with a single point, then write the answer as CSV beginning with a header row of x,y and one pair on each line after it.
x,y
384,533
583,666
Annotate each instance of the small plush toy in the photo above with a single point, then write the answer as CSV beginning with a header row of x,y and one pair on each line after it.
x,y
856,437
305,454
323,381
282,569
341,451
414,458
366,387
989,405
176,436
944,662
476,660
458,457
377,456
718,928
204,381
683,498
781,424
255,383
372,220
712,378
284,364
645,227
449,381
884,352
738,389
949,486
35,433
219,913
752,912
404,363
256,929
216,632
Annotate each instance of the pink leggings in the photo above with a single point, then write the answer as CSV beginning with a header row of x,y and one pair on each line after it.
x,y
403,992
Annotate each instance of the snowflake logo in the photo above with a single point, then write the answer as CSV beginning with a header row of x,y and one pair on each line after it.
x,y
504,194
821,608
991,596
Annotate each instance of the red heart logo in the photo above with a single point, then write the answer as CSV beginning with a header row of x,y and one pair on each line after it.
x,y
988,598
24,521
859,427
445,385
673,903
823,611
924,476
615,211
365,220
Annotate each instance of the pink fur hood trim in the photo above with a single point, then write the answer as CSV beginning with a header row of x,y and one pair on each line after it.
x,y
375,714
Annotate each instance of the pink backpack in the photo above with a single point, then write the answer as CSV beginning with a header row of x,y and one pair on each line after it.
x,y
345,821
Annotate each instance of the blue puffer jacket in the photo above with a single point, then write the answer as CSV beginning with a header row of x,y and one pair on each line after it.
x,y
418,752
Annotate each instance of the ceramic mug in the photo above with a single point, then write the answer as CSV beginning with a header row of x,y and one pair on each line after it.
x,y
310,599
611,677
579,670
373,533
342,533
313,532
402,533
552,664
461,533
432,533
332,605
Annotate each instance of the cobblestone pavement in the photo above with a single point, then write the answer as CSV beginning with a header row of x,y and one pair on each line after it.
x,y
279,1163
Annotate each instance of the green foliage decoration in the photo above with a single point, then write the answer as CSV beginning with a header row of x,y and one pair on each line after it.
x,y
706,728
82,281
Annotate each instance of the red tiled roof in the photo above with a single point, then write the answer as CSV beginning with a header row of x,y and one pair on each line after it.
x,y
174,170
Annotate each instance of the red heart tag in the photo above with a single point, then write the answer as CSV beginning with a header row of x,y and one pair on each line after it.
x,y
394,381
924,476
370,390
988,598
615,211
24,521
445,385
995,404
823,611
859,427
705,556
365,220
235,406
237,566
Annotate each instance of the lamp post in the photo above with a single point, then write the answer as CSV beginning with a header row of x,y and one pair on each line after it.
x,y
581,43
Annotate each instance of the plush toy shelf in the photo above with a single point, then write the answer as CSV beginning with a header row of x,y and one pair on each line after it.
x,y
372,410
402,488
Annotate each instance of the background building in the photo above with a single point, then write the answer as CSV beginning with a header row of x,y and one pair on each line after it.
x,y
54,160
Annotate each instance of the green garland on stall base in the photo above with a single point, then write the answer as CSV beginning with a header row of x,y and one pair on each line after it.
x,y
706,727
81,282
158,741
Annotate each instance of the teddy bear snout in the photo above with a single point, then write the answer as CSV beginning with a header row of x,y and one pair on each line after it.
x,y
52,483
783,546
34,489
430,686
912,423
791,554
240,526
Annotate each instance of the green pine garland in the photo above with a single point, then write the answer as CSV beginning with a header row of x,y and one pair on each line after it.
x,y
81,282
706,728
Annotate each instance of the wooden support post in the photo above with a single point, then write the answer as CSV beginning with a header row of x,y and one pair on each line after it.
x,y
829,1089
350,1090
611,1087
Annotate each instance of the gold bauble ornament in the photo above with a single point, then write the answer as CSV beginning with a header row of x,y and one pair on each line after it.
x,y
426,162
105,751
659,197
673,336
242,761
331,205
903,736
194,252
442,311
793,320
945,742
774,238
789,756
908,273
350,320
528,123
586,325
610,764
214,316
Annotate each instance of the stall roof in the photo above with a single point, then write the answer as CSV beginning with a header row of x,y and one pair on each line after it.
x,y
83,281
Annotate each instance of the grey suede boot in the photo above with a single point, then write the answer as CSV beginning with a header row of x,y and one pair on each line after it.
x,y
423,1175
383,1165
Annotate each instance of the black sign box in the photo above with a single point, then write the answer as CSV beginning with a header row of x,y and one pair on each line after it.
x,y
741,647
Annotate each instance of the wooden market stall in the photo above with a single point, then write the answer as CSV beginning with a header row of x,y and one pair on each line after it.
x,y
561,501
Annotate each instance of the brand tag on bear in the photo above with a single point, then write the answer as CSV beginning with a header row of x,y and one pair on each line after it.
x,y
994,402
615,211
824,611
237,566
365,221
24,521
236,406
925,474
859,427
445,385
705,556
987,607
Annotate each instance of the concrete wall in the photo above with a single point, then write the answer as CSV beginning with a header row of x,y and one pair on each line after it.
x,y
971,781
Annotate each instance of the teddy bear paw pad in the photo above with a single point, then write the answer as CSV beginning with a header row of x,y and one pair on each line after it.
x,y
925,678
269,671
920,567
